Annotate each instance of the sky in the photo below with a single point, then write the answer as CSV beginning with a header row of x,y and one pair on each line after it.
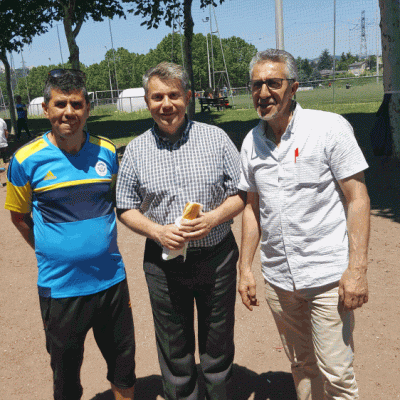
x,y
308,30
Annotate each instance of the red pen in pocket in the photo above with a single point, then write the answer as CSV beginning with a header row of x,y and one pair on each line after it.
x,y
296,154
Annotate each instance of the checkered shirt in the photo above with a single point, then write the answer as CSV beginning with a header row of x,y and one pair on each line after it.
x,y
158,177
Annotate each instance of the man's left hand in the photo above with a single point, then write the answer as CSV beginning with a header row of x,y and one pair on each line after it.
x,y
197,228
353,288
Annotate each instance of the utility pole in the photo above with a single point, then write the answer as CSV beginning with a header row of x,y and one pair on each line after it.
x,y
115,67
59,44
279,25
208,55
109,75
26,76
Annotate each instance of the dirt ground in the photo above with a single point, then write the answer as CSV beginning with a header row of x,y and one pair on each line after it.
x,y
261,368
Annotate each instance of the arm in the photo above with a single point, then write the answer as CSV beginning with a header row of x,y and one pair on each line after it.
x,y
169,235
24,223
200,227
251,233
353,286
6,133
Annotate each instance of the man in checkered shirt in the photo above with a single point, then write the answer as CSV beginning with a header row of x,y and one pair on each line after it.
x,y
176,161
308,203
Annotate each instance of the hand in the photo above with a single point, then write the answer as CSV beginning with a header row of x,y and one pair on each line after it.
x,y
353,288
247,290
171,237
197,228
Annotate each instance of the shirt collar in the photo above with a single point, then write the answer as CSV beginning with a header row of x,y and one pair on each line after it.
x,y
185,135
262,125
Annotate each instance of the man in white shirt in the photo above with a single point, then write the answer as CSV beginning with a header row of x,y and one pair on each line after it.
x,y
308,203
3,146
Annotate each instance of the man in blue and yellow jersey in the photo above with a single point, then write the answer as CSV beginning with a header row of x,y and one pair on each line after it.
x,y
60,192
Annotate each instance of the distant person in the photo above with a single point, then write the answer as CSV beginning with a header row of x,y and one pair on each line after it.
x,y
22,114
3,146
3,140
61,197
308,203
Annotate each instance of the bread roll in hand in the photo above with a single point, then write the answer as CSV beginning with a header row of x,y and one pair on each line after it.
x,y
191,210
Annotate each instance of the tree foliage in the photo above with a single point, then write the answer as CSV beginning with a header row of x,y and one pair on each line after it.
x,y
325,60
171,11
73,13
20,21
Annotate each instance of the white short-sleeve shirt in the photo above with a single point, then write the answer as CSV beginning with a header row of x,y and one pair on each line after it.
x,y
3,139
304,241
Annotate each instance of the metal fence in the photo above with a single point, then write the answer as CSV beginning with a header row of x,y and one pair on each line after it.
x,y
349,90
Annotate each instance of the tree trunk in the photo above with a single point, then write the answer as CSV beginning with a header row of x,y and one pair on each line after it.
x,y
188,31
390,29
70,33
3,58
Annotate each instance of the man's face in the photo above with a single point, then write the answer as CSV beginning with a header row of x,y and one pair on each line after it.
x,y
67,113
271,104
167,102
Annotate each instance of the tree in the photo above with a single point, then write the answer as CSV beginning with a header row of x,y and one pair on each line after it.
x,y
390,34
74,13
304,69
325,60
154,11
20,21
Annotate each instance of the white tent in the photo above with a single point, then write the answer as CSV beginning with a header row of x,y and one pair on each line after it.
x,y
130,100
35,106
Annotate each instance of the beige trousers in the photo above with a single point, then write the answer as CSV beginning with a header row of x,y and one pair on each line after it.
x,y
317,335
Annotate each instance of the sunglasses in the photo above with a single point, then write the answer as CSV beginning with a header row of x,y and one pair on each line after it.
x,y
58,73
273,83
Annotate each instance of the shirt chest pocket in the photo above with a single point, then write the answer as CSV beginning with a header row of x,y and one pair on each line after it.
x,y
307,171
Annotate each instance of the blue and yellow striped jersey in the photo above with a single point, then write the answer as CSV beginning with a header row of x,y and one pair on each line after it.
x,y
72,204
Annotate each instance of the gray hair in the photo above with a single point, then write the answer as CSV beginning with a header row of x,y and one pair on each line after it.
x,y
166,71
276,55
67,83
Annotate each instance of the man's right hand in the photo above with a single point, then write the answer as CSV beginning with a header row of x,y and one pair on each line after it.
x,y
247,290
171,237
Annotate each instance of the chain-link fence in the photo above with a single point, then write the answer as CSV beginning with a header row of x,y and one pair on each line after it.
x,y
363,89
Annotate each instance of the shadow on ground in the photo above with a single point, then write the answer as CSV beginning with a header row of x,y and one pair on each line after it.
x,y
266,386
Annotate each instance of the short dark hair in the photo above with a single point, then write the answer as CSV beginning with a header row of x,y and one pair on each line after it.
x,y
67,83
167,71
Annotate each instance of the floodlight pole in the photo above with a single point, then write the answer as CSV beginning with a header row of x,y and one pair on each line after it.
x,y
59,44
115,67
26,77
334,49
208,54
279,25
109,75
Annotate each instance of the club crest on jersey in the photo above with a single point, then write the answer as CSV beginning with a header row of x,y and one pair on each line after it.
x,y
101,168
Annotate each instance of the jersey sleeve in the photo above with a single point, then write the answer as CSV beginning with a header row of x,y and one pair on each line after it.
x,y
19,191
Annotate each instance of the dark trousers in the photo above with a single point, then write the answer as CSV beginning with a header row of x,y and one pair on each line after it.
x,y
22,123
67,322
207,277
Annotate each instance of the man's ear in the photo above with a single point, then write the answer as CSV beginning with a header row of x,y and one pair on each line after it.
x,y
45,109
295,86
188,96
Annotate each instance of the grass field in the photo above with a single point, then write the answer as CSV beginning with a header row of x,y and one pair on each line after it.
x,y
358,104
